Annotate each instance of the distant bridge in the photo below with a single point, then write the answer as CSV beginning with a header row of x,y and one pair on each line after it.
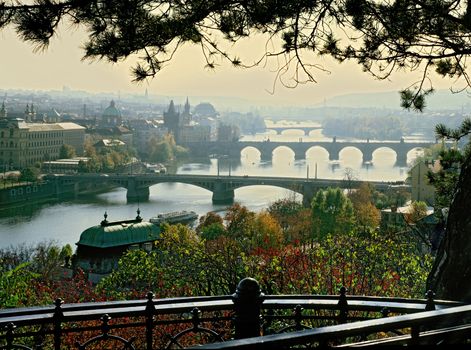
x,y
222,187
266,148
305,128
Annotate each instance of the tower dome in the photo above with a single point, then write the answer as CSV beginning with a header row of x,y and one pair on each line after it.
x,y
111,115
111,110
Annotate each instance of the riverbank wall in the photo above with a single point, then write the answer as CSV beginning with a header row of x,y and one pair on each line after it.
x,y
45,191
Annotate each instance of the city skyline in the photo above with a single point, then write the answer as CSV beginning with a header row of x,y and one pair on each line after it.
x,y
61,65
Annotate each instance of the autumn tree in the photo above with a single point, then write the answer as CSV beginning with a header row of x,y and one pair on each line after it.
x,y
294,219
367,216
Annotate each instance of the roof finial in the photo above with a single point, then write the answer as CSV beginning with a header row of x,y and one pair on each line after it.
x,y
104,222
138,217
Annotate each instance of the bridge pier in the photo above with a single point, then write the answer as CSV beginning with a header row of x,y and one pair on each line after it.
x,y
334,155
309,191
222,194
136,192
401,159
299,154
265,155
367,156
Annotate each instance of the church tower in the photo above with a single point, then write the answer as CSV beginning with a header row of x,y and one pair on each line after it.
x,y
172,120
32,112
3,111
186,116
27,114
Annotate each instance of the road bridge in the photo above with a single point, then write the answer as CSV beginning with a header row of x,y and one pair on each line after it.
x,y
222,187
266,148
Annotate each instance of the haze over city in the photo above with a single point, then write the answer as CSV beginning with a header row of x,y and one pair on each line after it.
x,y
61,65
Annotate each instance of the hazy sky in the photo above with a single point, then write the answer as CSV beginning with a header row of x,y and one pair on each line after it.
x,y
61,65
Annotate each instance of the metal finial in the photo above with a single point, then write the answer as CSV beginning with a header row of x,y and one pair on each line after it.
x,y
104,222
138,217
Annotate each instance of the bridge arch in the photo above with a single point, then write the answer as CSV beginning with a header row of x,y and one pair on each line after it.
x,y
317,152
387,154
351,156
283,151
267,192
251,152
413,153
294,131
175,188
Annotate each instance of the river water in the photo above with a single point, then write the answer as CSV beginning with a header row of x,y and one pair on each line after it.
x,y
63,222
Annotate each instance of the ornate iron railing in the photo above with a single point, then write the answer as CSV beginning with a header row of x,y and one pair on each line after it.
x,y
246,319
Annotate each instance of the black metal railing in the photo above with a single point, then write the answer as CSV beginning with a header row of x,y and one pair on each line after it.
x,y
246,319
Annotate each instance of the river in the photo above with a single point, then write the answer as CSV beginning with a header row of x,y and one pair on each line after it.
x,y
63,222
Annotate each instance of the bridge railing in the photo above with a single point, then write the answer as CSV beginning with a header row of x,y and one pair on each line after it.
x,y
246,319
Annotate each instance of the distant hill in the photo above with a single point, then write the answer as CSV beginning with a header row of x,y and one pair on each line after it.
x,y
439,100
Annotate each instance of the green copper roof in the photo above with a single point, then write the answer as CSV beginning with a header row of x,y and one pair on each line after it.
x,y
119,234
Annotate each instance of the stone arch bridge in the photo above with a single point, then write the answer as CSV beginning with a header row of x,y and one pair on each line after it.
x,y
266,148
222,187
305,129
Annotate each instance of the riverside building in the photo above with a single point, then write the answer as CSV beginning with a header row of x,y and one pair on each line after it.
x,y
24,144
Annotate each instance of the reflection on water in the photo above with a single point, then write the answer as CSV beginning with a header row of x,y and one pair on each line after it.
x,y
63,222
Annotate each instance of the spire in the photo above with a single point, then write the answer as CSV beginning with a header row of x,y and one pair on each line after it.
x,y
171,108
27,111
3,111
187,107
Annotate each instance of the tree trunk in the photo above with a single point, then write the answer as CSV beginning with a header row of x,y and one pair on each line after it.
x,y
450,277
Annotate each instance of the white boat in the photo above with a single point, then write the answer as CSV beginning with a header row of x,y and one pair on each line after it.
x,y
175,217
158,168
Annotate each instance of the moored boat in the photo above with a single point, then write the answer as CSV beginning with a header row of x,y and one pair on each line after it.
x,y
175,217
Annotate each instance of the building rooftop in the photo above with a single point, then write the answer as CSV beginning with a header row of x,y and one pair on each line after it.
x,y
119,233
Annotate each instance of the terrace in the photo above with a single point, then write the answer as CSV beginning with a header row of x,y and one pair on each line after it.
x,y
248,319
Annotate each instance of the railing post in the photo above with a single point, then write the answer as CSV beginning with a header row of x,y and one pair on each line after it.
x,y
57,320
298,316
247,299
10,335
150,309
343,305
430,306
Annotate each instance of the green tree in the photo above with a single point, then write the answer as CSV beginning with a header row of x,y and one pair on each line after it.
x,y
67,152
211,226
445,180
30,174
15,286
332,213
